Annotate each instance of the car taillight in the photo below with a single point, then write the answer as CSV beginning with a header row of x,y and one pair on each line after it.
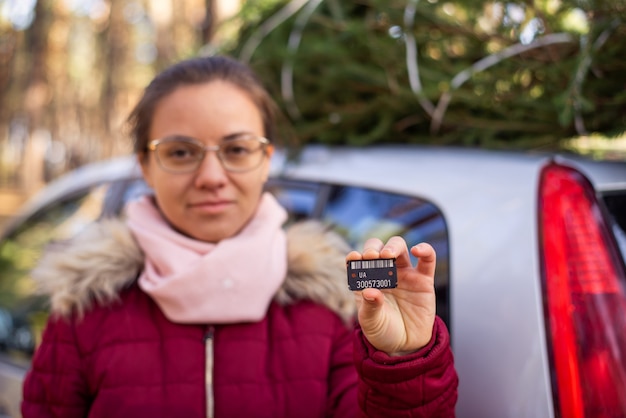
x,y
585,298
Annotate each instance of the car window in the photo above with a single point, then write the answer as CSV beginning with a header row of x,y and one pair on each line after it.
x,y
301,199
360,213
616,205
22,314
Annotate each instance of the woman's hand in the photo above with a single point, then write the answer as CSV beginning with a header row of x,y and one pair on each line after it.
x,y
399,321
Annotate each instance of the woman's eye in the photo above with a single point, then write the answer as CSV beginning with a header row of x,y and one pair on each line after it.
x,y
180,152
236,150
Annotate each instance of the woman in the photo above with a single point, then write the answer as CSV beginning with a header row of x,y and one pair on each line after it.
x,y
200,304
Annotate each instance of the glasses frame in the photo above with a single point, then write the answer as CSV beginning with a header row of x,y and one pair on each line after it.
x,y
264,144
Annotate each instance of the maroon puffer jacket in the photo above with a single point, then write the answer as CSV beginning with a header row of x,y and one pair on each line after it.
x,y
123,358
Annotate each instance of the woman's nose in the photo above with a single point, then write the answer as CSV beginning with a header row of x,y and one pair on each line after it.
x,y
211,172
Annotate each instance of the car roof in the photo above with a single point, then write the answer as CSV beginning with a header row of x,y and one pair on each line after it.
x,y
463,160
605,175
434,169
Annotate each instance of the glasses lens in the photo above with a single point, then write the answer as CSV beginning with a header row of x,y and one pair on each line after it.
x,y
179,155
242,153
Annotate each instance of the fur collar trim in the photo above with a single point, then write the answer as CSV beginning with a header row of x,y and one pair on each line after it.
x,y
104,259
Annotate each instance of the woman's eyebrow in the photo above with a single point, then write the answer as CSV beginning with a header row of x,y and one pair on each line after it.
x,y
236,135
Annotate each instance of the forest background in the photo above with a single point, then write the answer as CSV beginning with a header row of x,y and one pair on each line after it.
x,y
534,75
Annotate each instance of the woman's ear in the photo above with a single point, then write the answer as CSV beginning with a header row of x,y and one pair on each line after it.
x,y
269,152
142,160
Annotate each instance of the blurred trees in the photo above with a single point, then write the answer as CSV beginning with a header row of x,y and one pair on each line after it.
x,y
72,69
493,74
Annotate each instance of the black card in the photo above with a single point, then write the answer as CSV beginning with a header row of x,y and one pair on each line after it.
x,y
378,274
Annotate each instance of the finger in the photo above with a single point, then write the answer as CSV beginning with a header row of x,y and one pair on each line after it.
x,y
396,248
427,258
371,248
353,255
371,304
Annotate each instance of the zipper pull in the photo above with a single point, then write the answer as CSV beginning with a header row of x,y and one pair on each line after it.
x,y
208,370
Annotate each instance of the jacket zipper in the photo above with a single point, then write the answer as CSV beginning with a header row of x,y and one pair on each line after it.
x,y
208,371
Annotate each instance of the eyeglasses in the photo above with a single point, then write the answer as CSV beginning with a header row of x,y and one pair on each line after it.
x,y
181,154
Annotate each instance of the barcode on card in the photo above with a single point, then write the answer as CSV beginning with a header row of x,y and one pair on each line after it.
x,y
377,274
372,264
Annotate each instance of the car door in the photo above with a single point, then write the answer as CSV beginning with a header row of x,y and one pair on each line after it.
x,y
357,213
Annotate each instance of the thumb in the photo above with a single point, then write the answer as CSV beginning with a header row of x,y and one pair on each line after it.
x,y
370,306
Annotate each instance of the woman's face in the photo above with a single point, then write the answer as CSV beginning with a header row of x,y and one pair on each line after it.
x,y
210,203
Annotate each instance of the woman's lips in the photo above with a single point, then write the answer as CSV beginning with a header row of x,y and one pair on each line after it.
x,y
211,207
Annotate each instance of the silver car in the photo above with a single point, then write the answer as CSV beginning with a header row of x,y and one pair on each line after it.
x,y
530,277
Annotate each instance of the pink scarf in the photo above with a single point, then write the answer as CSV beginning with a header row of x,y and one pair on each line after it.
x,y
198,282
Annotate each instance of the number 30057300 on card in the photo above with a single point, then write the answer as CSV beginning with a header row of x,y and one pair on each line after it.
x,y
379,274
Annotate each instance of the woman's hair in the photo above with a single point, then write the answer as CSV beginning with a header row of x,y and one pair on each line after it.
x,y
198,71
